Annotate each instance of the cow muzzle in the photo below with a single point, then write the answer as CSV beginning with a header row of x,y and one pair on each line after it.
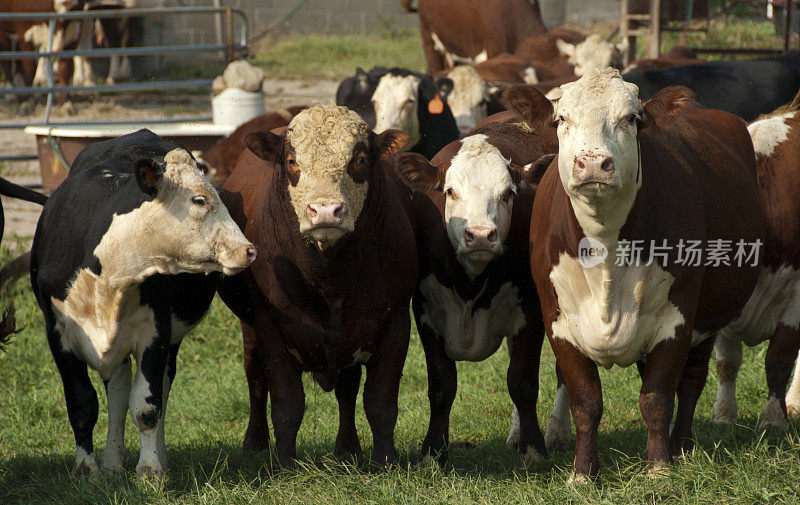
x,y
593,169
236,259
480,242
326,223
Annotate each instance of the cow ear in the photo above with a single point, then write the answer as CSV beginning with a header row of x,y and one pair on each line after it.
x,y
391,142
565,48
445,86
266,145
417,172
148,175
363,79
530,104
532,173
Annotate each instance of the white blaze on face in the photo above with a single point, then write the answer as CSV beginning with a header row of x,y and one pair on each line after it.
x,y
467,101
480,194
395,101
597,118
594,52
325,139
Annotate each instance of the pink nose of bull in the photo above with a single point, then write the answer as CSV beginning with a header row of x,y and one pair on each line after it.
x,y
480,237
326,215
593,168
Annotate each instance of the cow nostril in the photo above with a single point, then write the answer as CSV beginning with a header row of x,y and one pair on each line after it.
x,y
608,165
468,236
492,236
311,211
581,165
339,210
251,253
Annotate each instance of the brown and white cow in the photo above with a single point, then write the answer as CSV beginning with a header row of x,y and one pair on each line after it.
x,y
470,99
471,31
773,311
665,172
337,267
472,211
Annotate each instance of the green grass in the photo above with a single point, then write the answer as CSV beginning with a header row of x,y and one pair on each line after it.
x,y
207,416
337,56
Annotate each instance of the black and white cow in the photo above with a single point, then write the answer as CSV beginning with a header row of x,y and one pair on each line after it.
x,y
119,267
355,92
405,100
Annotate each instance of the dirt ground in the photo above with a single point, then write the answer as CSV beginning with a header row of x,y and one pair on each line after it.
x,y
21,217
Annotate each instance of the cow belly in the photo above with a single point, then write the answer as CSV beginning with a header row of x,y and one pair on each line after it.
x,y
470,334
614,315
775,299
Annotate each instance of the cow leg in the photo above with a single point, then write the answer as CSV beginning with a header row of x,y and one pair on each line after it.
x,y
347,444
586,404
118,389
525,349
432,56
256,438
793,396
147,404
660,374
782,350
169,379
442,386
81,402
83,75
728,359
381,388
558,434
693,379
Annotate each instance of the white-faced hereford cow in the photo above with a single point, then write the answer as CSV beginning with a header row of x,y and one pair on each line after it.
x,y
471,31
658,176
337,267
473,213
119,267
773,311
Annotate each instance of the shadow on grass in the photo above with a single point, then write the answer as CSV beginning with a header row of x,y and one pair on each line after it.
x,y
196,468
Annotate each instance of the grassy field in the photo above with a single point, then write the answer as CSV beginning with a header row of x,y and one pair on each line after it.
x,y
207,416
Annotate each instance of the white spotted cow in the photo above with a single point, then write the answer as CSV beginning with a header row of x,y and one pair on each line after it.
x,y
120,266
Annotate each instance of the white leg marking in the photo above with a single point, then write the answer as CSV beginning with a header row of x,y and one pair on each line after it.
x,y
118,392
513,430
793,395
85,464
558,434
162,445
773,416
728,358
149,463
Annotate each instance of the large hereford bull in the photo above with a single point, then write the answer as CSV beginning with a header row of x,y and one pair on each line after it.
x,y
119,267
661,176
330,289
473,214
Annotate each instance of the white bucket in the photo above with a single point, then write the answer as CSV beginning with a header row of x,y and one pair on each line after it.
x,y
233,107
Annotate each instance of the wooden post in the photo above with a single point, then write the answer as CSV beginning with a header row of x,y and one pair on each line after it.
x,y
629,53
787,41
229,35
654,41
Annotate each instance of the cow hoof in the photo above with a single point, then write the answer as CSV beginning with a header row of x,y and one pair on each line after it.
x,y
557,435
255,442
658,470
532,457
85,466
68,108
725,413
149,472
427,461
578,480
793,410
112,464
773,416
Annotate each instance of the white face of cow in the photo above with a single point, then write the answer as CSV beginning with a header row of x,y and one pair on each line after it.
x,y
594,52
395,101
468,99
480,197
64,5
598,158
186,228
328,162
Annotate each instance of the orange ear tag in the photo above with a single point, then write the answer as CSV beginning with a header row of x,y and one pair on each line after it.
x,y
436,105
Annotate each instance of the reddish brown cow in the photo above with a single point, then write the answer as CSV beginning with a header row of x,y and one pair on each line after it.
x,y
657,175
336,272
473,215
220,159
672,58
472,31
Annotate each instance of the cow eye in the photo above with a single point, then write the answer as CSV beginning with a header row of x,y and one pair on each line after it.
x,y
410,100
509,194
558,120
449,192
290,161
362,159
632,118
200,200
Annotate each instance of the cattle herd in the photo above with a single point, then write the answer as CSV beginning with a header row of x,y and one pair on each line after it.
x,y
631,218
